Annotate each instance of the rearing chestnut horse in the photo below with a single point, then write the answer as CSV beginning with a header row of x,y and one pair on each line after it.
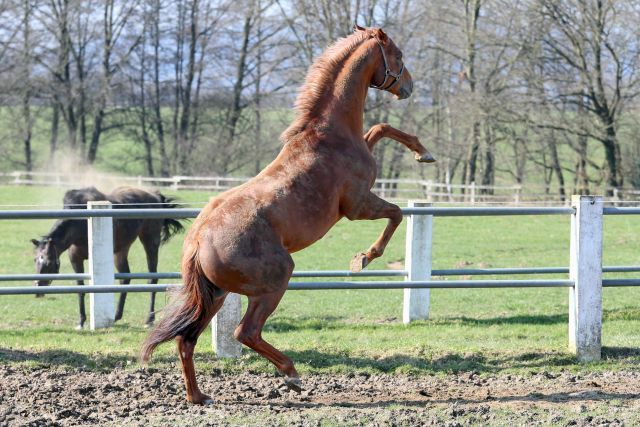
x,y
242,240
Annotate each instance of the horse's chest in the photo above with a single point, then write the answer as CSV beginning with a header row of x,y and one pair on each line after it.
x,y
362,168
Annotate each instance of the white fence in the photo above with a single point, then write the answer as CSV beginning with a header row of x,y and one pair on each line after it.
x,y
400,189
585,280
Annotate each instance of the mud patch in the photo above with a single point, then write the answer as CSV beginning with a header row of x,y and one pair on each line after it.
x,y
64,397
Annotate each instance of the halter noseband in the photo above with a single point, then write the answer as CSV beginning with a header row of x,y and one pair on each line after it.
x,y
387,73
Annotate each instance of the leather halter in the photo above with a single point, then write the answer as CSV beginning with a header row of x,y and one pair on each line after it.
x,y
387,73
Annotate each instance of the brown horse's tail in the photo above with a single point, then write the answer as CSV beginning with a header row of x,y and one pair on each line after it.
x,y
189,315
170,226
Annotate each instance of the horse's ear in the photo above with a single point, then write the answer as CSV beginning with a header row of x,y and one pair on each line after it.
x,y
35,242
357,27
380,35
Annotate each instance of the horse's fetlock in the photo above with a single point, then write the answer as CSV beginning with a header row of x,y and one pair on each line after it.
x,y
375,253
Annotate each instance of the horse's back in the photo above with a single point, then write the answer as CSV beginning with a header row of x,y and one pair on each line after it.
x,y
78,198
133,198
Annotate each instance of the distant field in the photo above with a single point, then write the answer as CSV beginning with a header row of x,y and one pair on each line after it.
x,y
342,331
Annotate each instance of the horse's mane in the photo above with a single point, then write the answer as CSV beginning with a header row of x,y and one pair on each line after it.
x,y
321,75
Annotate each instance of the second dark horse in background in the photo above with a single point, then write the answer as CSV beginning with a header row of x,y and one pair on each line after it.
x,y
71,234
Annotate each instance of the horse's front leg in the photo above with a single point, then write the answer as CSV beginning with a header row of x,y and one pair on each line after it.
x,y
77,263
376,208
384,130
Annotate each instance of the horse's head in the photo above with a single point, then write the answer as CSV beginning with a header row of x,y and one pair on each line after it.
x,y
47,259
390,73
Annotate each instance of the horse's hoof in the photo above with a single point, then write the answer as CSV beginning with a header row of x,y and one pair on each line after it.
x,y
425,158
148,325
358,262
201,400
79,327
293,383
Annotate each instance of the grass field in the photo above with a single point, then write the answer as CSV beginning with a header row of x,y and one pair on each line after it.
x,y
344,331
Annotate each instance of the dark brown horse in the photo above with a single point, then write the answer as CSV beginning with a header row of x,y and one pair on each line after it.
x,y
242,240
71,234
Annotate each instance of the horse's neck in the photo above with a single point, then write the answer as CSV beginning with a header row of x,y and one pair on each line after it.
x,y
339,108
62,234
347,106
346,109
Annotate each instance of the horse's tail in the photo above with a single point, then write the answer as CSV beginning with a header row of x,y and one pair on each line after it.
x,y
189,315
170,226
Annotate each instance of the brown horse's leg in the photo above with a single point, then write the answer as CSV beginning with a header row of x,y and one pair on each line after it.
x,y
77,263
122,265
249,333
151,244
382,130
376,208
186,345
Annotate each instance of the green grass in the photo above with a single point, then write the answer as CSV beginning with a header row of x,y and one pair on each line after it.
x,y
339,331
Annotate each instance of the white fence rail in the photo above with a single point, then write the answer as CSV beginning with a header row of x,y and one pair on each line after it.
x,y
404,189
585,280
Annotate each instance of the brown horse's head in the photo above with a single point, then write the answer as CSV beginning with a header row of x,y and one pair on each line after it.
x,y
47,259
390,73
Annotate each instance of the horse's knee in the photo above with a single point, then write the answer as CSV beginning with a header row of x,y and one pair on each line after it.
x,y
380,127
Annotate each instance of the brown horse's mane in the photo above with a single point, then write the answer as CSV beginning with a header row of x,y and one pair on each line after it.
x,y
322,74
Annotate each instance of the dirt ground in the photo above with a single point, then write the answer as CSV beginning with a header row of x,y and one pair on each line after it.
x,y
53,396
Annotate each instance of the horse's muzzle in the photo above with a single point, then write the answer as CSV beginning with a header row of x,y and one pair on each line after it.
x,y
403,93
41,283
405,90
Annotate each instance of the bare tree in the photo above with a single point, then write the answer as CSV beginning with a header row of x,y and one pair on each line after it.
x,y
582,38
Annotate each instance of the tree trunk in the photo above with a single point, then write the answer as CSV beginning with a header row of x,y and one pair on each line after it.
x,y
488,176
612,155
185,118
236,106
472,154
158,125
26,87
55,126
555,164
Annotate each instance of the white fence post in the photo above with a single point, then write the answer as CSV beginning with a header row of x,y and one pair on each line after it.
x,y
585,298
417,263
222,326
100,231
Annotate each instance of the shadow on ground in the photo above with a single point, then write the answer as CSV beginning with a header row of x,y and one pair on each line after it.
x,y
319,361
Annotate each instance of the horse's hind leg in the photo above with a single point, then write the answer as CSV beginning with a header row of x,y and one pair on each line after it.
x,y
122,265
186,345
151,243
249,332
376,208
